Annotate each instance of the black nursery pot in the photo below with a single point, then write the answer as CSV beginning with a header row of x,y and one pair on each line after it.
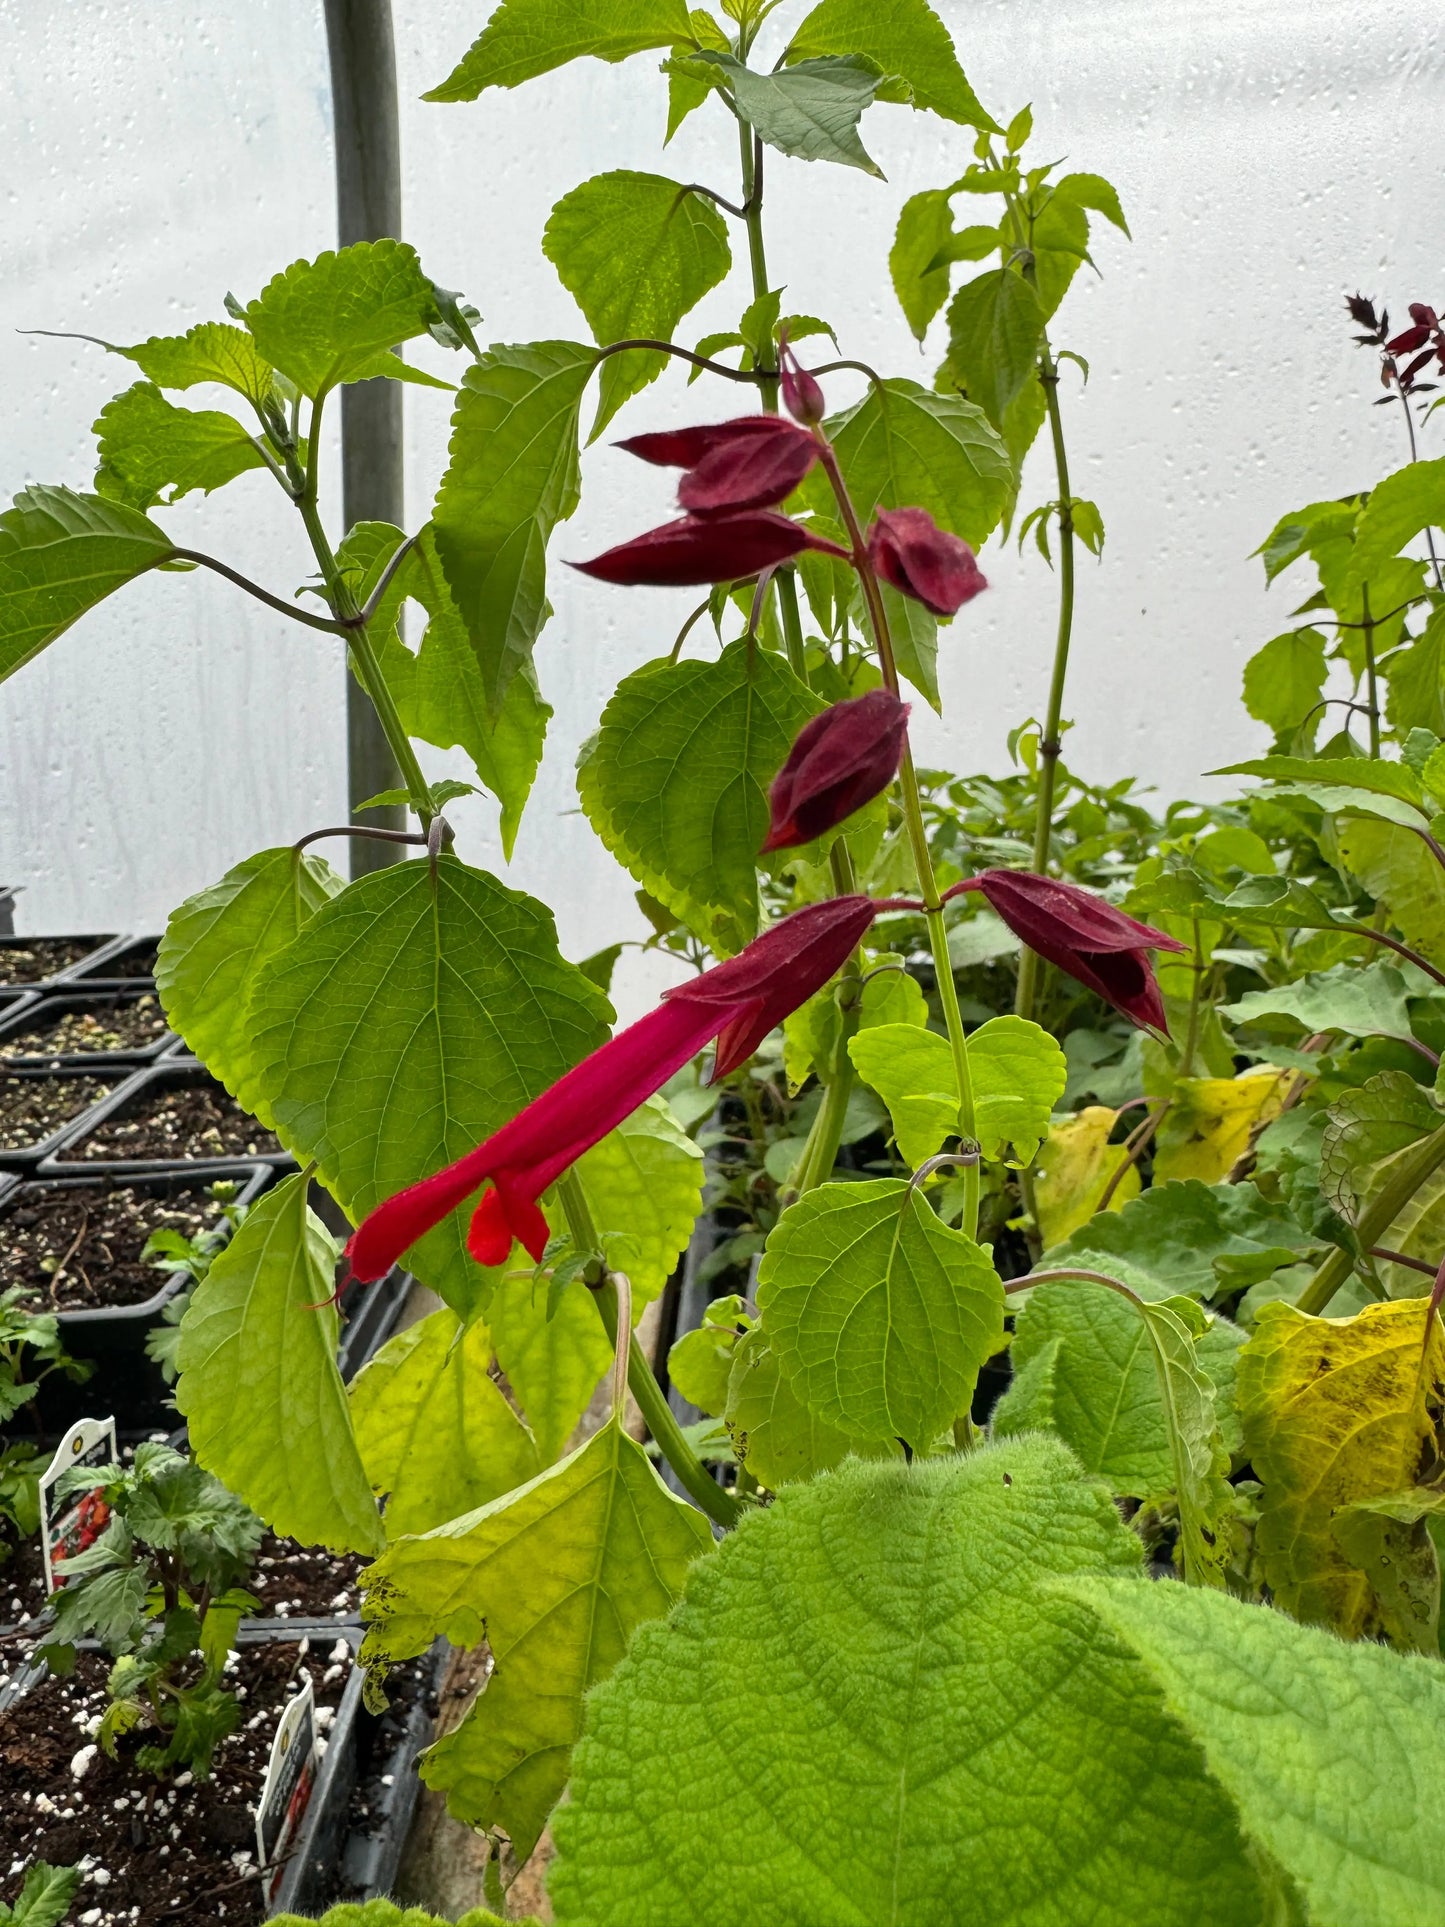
x,y
42,1019
123,964
124,1382
93,1087
53,960
76,1148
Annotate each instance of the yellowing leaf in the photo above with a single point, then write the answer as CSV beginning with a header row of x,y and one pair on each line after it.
x,y
555,1576
1210,1122
432,1426
553,1364
1075,1166
1335,1411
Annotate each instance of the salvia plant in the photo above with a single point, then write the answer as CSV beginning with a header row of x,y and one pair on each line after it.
x,y
1076,1554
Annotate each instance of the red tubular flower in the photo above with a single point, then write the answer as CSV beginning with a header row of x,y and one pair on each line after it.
x,y
1411,339
719,548
839,761
910,551
752,463
737,1002
1096,944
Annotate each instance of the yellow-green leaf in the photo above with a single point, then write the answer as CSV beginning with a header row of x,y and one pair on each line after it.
x,y
1210,1121
1075,1167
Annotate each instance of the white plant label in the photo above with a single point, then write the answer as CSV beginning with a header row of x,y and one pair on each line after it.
x,y
290,1777
77,1521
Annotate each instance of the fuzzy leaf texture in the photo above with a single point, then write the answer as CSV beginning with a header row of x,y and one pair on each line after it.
x,y
676,780
1017,1070
337,319
259,1386
512,475
440,689
216,942
636,252
435,1433
385,1913
211,351
60,554
855,1791
524,38
879,1314
907,39
1331,1752
151,451
411,1018
1335,1411
556,1576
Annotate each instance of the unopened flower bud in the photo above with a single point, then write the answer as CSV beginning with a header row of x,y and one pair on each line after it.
x,y
839,761
919,559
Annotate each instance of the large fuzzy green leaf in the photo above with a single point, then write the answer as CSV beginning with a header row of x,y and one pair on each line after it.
x,y
259,1386
675,782
385,1913
636,252
1017,1070
553,1349
1189,1238
415,1014
440,690
435,1434
905,447
555,1576
217,941
906,39
993,1760
337,319
810,111
1330,1752
60,554
524,38
512,475
879,1313
151,451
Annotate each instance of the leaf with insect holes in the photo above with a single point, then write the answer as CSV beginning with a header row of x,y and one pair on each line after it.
x,y
60,554
524,38
259,1386
512,475
555,1576
1309,1737
879,1313
153,452
636,252
435,1433
440,688
675,781
1335,1410
216,942
413,1016
905,39
1048,1789
337,319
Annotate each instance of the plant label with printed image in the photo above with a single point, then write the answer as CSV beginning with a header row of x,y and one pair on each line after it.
x,y
79,1520
290,1777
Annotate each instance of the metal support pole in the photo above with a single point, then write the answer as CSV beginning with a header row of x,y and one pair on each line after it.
x,y
368,207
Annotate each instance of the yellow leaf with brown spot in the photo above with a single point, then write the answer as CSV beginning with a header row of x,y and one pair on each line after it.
x,y
1075,1166
1335,1411
1210,1121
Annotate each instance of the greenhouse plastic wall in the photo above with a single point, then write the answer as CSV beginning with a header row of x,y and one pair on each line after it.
x,y
1270,160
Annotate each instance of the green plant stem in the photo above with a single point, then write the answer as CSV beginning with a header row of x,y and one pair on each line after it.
x,y
1372,684
918,840
1422,1161
641,1380
363,653
1051,743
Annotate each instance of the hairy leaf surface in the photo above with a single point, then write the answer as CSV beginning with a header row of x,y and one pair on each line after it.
x,y
337,319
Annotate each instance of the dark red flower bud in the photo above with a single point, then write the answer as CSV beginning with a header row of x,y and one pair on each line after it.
x,y
715,548
1426,317
839,761
1409,341
750,463
802,392
909,550
1099,946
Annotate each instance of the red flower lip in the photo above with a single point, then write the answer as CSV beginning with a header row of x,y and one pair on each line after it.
x,y
919,559
719,548
839,761
752,463
1097,945
737,1002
